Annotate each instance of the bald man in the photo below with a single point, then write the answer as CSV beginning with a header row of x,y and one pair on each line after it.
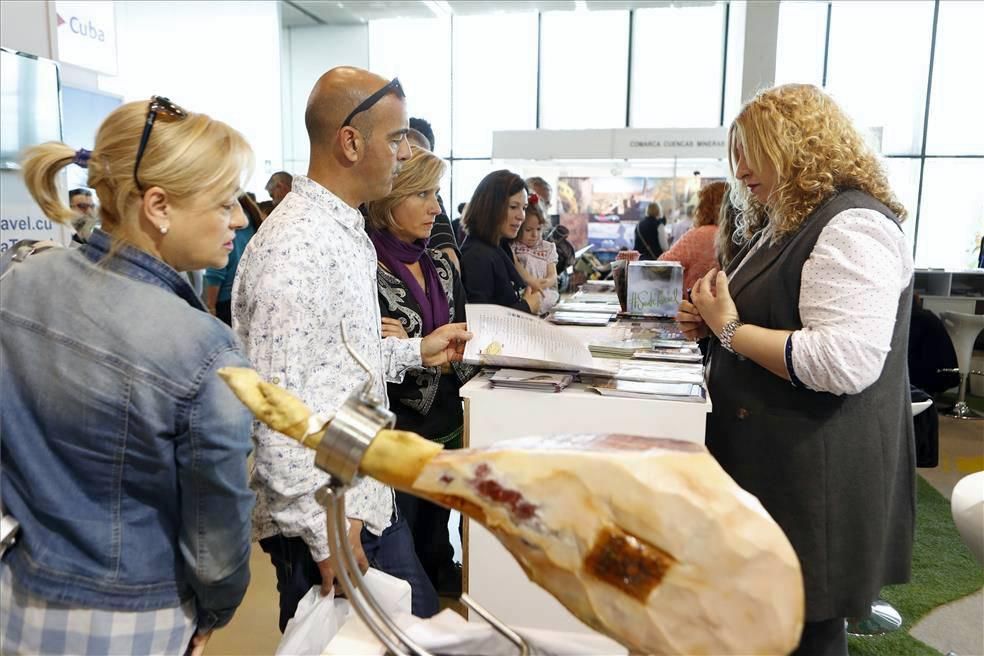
x,y
311,268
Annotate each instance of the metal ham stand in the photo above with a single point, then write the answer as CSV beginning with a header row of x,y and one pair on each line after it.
x,y
339,453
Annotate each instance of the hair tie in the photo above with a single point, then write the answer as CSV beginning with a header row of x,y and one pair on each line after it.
x,y
82,157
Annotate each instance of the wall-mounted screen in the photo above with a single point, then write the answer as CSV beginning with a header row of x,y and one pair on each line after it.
x,y
30,108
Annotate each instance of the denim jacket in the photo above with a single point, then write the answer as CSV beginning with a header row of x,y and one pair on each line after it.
x,y
123,453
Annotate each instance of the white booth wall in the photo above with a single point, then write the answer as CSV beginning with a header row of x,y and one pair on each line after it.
x,y
220,58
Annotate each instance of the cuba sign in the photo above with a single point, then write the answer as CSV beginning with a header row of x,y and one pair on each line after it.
x,y
87,34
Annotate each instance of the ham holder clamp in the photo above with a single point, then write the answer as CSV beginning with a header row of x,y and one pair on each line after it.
x,y
645,540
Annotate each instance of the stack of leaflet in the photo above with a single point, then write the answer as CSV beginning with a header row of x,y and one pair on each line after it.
x,y
655,328
654,391
582,296
619,348
599,286
531,380
570,305
670,354
646,372
651,341
585,309
648,380
578,318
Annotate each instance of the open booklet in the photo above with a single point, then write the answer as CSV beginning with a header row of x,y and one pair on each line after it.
x,y
504,337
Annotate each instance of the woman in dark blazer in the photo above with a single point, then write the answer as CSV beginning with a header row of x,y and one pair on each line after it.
x,y
807,357
492,218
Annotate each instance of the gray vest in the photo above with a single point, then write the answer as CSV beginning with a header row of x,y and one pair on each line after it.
x,y
836,472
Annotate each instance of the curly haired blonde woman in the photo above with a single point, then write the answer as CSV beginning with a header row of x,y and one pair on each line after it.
x,y
807,358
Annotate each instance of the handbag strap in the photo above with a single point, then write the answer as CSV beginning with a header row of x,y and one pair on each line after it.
x,y
645,242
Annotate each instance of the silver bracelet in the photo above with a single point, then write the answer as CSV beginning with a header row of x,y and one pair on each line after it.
x,y
728,333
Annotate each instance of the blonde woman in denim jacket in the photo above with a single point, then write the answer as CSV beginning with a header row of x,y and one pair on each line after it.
x,y
124,455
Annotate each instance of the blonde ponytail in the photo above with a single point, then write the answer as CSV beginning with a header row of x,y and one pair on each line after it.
x,y
185,157
41,165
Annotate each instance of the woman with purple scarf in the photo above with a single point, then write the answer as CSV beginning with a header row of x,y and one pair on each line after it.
x,y
420,290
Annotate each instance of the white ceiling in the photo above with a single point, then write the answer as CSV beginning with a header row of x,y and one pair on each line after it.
x,y
300,13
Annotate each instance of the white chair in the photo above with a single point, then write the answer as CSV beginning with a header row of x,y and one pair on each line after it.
x,y
883,617
963,330
967,506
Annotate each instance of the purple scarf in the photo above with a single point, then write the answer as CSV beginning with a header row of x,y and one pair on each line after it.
x,y
395,255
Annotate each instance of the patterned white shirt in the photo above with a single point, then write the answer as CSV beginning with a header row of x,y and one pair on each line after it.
x,y
310,267
849,296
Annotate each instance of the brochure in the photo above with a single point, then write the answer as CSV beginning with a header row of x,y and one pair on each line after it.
x,y
531,380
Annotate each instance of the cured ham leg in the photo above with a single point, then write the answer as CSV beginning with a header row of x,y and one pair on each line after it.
x,y
646,540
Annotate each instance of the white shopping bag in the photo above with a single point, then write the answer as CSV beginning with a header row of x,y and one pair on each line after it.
x,y
314,624
317,619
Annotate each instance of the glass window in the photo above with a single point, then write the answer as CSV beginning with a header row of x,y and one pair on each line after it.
x,y
445,190
951,219
958,94
467,173
736,61
494,79
877,68
800,42
903,176
584,76
418,51
677,66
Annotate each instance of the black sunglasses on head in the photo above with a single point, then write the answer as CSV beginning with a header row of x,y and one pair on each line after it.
x,y
162,105
393,86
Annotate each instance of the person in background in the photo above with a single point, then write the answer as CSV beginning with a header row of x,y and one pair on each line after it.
x,y
442,235
651,233
729,240
86,219
265,207
311,268
679,228
420,290
932,358
536,258
492,219
543,191
807,363
218,282
80,200
124,453
278,186
695,250
558,236
459,232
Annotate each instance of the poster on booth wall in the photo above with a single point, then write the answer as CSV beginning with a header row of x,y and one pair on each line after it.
x,y
603,211
21,218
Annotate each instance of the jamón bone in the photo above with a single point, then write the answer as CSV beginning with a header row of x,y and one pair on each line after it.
x,y
645,540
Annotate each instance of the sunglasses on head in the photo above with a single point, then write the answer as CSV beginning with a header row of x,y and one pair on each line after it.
x,y
158,105
365,105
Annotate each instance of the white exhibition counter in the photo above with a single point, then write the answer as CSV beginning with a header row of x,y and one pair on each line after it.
x,y
491,575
